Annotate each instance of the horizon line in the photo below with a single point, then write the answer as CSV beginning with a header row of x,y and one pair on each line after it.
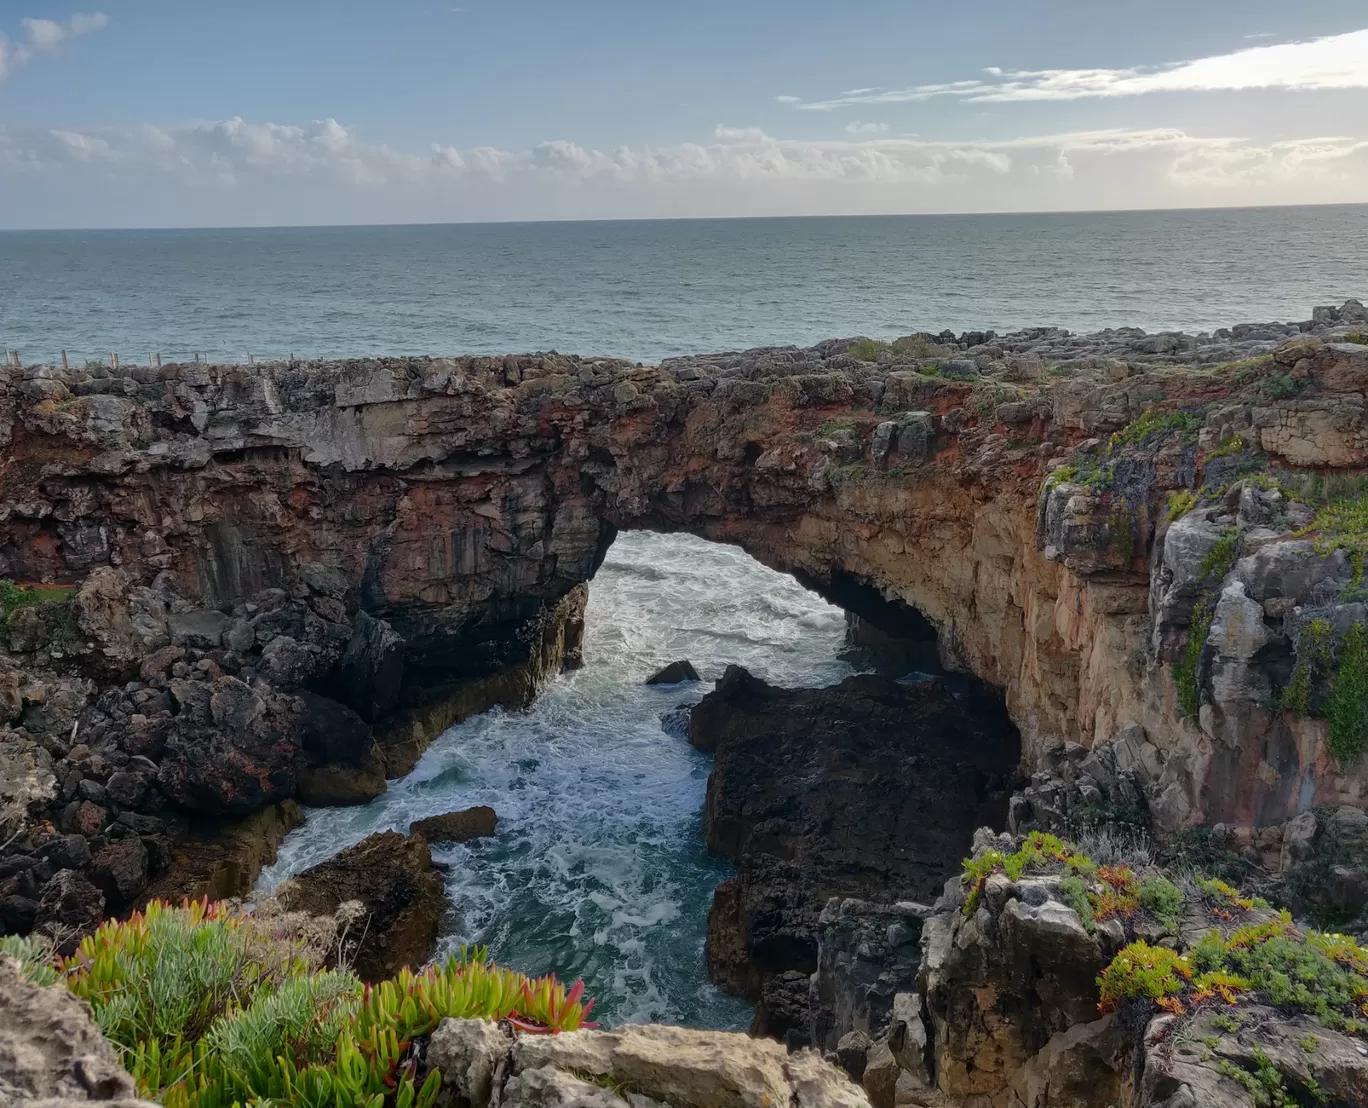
x,y
690,219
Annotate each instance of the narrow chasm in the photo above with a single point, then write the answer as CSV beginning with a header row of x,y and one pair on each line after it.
x,y
610,839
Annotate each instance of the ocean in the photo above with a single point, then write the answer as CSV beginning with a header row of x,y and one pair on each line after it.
x,y
651,289
599,868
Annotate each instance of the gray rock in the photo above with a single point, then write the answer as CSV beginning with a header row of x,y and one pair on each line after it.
x,y
202,630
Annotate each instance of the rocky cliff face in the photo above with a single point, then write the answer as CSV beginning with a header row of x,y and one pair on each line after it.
x,y
1123,532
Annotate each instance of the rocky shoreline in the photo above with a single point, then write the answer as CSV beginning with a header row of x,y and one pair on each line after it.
x,y
235,589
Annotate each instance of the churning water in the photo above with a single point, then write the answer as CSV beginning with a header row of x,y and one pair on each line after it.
x,y
598,868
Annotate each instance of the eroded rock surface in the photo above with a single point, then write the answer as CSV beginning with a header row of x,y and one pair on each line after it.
x,y
51,1051
869,789
1111,528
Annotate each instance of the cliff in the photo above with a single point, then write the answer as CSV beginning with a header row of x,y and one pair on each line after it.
x,y
1151,544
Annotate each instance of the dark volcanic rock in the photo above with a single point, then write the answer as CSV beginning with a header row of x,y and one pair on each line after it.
x,y
869,789
674,673
343,766
457,827
120,870
391,876
233,749
371,671
69,908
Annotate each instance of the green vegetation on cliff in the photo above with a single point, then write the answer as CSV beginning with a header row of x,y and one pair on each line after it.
x,y
210,1006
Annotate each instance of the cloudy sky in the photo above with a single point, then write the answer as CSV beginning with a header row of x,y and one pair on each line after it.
x,y
168,113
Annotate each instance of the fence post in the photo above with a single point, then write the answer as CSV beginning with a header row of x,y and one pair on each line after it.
x,y
251,360
64,360
114,358
159,359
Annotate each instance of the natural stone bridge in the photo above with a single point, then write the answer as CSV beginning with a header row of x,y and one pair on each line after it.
x,y
426,525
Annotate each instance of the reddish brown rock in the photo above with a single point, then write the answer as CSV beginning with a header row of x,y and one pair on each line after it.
x,y
400,897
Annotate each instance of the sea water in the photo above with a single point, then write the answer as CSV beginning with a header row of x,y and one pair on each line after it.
x,y
598,868
650,289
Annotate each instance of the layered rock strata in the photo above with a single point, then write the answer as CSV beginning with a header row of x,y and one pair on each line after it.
x,y
1123,532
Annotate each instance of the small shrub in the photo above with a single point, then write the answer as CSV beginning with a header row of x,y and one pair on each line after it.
x,y
1154,424
1279,386
33,955
867,350
1346,709
1314,658
1186,670
13,597
1221,558
210,1009
1180,502
1342,524
1163,900
1140,970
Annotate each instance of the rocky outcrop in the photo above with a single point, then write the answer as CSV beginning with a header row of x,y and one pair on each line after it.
x,y
641,1066
51,1052
457,827
410,538
399,901
869,789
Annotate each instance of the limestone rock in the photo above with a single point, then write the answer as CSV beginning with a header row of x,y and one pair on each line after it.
x,y
692,1069
51,1051
467,1051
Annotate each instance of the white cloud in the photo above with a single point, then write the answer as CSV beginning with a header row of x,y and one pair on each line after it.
x,y
858,128
42,36
305,171
1331,62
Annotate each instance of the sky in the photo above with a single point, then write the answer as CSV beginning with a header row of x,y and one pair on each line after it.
x,y
143,113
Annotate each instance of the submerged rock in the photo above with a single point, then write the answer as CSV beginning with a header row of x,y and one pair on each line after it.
x,y
457,827
673,674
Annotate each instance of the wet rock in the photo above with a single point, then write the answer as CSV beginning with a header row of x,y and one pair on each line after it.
x,y
674,674
456,827
868,789
391,876
675,722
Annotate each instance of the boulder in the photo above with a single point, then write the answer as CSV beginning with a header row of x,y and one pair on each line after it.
x,y
342,764
69,908
390,875
120,870
674,674
52,1052
231,749
690,1069
457,827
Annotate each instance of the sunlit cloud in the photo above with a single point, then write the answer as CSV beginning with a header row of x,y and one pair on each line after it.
x,y
1331,62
